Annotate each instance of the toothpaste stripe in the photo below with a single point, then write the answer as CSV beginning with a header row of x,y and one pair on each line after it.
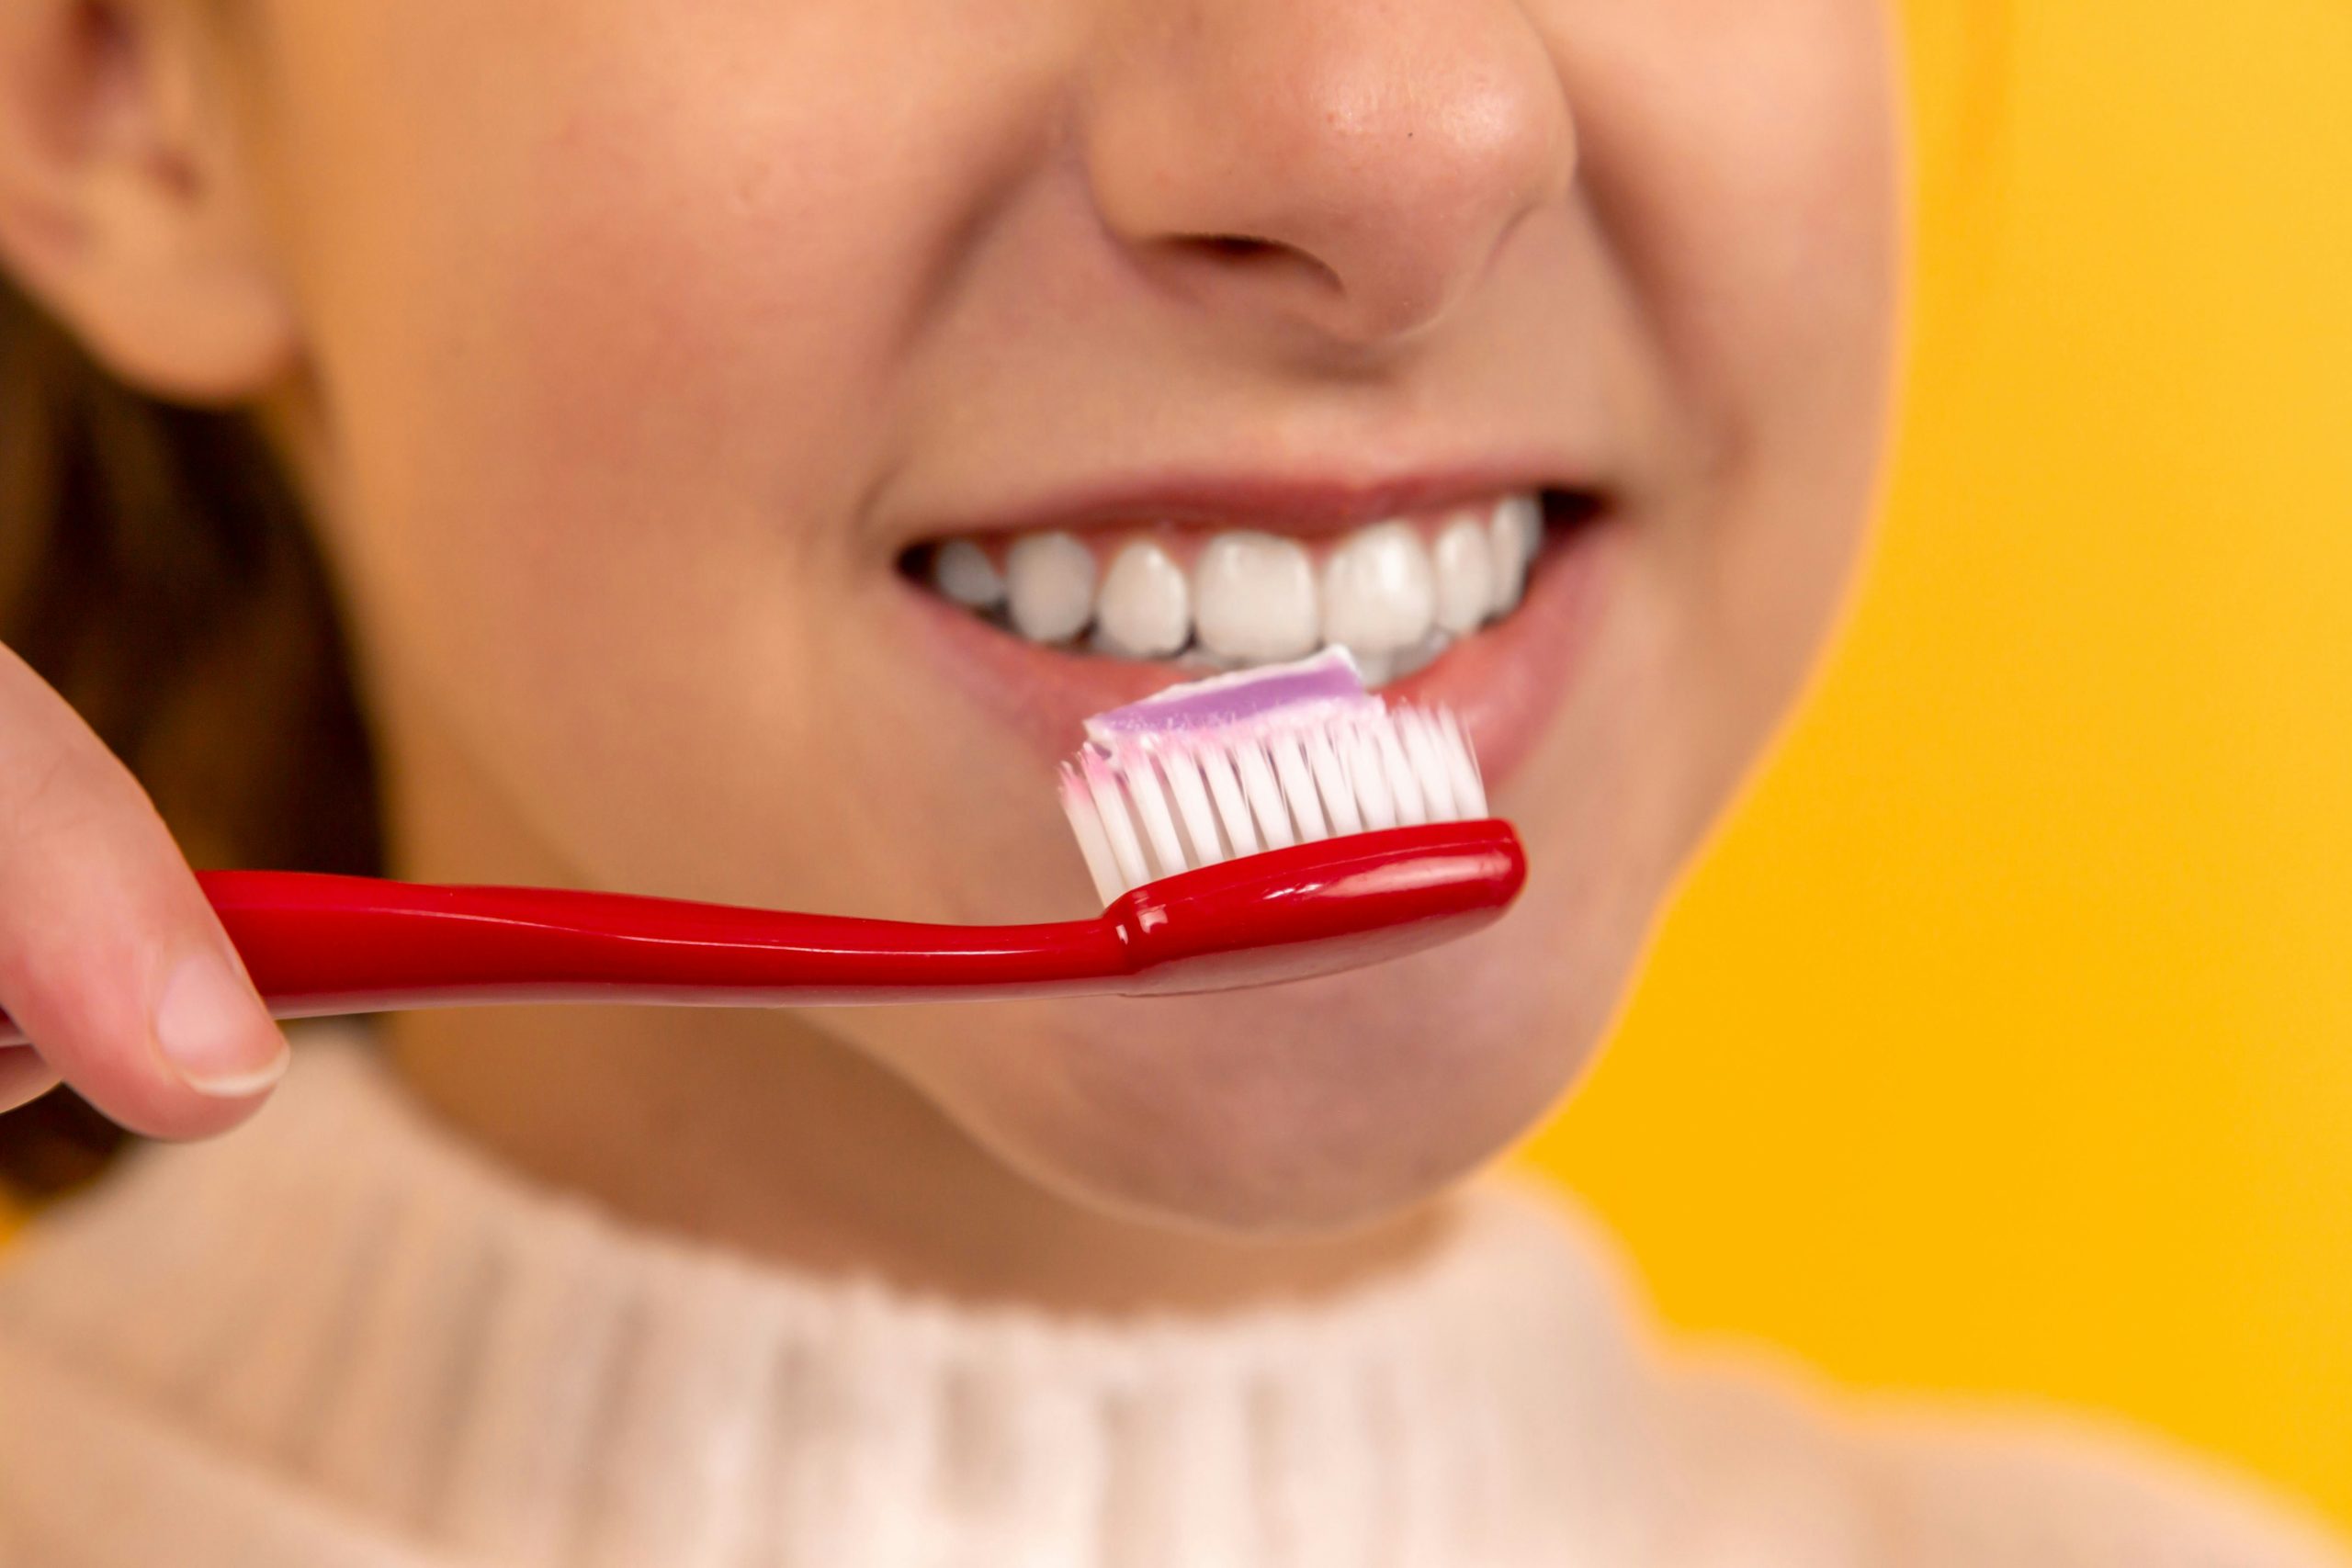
x,y
1328,683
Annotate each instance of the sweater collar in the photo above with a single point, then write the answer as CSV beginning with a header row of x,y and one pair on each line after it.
x,y
362,1313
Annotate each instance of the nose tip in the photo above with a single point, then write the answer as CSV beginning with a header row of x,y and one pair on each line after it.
x,y
1352,168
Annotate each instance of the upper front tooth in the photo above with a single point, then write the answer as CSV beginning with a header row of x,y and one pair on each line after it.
x,y
1253,599
1517,532
1050,582
1465,576
962,571
1145,609
1378,592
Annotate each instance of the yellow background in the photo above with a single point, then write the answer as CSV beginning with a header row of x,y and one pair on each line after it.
x,y
2005,1041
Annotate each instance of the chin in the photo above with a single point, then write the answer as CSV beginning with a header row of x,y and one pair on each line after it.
x,y
1304,1111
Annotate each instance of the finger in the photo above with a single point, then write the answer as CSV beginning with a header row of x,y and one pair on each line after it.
x,y
110,960
24,1077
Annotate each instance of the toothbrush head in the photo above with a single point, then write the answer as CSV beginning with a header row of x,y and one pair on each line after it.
x,y
1231,767
1285,822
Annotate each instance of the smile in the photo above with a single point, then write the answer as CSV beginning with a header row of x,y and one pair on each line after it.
x,y
1481,600
1396,594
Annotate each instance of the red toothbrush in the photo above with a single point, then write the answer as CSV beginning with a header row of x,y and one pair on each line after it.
x,y
1312,833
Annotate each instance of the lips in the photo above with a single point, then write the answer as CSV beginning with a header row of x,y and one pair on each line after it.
x,y
1474,603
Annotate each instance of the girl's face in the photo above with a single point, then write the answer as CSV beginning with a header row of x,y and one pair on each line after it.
x,y
648,349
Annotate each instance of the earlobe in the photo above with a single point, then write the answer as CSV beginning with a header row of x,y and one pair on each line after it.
x,y
123,204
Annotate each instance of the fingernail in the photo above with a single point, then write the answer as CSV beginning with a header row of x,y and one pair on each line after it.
x,y
213,1030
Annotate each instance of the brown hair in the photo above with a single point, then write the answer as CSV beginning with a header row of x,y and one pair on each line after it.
x,y
158,570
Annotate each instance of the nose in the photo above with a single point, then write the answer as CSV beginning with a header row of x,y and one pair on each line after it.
x,y
1346,166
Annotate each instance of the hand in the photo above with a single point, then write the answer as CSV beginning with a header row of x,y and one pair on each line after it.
x,y
111,962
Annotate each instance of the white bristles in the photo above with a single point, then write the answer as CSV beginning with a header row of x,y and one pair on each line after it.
x,y
1192,800
1331,784
1298,786
1412,810
1088,824
1224,791
1266,802
1107,790
1368,773
1421,743
1149,806
1469,788
1159,827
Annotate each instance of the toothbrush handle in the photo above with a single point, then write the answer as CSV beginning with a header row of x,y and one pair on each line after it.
x,y
318,945
328,944
322,945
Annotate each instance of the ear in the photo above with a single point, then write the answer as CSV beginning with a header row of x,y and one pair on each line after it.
x,y
124,207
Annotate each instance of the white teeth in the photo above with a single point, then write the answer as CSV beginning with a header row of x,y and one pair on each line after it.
x,y
1517,533
1050,582
1253,599
1379,594
1465,576
1145,609
1386,669
962,572
1413,660
1387,593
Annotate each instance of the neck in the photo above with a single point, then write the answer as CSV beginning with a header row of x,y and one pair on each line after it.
x,y
764,1133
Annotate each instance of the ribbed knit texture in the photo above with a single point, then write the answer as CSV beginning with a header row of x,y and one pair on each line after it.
x,y
341,1338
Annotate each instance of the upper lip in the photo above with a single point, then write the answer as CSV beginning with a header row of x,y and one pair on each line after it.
x,y
1294,503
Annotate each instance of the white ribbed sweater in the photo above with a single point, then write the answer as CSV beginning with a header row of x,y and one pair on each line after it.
x,y
340,1338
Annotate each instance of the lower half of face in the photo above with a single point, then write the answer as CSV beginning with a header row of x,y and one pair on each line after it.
x,y
756,439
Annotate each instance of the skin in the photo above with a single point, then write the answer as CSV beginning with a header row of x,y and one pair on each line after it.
x,y
624,348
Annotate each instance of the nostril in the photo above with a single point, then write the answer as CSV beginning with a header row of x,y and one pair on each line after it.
x,y
1250,255
1236,247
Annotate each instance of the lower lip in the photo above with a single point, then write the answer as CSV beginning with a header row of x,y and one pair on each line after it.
x,y
1504,683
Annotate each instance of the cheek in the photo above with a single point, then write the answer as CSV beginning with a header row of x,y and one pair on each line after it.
x,y
628,310
606,333
1742,160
